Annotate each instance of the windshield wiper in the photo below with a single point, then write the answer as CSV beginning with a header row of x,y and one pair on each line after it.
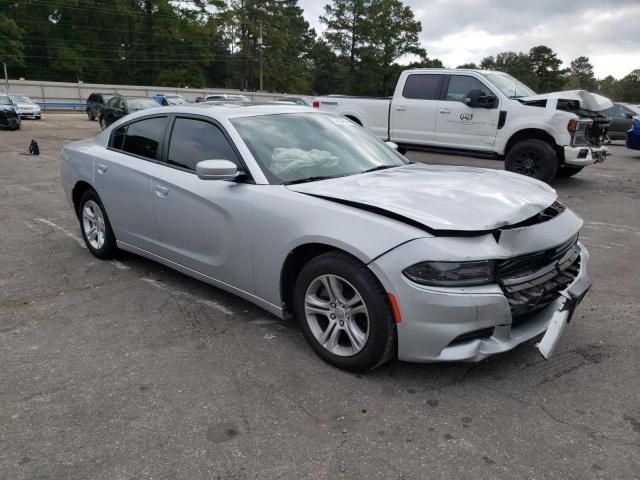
x,y
310,179
380,167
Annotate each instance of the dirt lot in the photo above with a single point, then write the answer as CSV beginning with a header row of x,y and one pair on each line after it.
x,y
128,370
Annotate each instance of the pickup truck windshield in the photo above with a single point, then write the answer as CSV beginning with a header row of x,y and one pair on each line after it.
x,y
508,85
299,147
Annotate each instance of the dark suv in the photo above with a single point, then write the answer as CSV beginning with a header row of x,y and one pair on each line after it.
x,y
621,115
119,106
95,102
9,118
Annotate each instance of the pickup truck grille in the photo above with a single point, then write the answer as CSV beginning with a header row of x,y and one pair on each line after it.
x,y
531,282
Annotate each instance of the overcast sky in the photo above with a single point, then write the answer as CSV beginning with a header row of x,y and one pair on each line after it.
x,y
461,31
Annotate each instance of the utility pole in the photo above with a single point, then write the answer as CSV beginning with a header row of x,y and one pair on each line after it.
x,y
6,77
260,42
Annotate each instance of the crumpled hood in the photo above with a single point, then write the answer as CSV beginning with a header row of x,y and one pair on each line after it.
x,y
588,100
441,197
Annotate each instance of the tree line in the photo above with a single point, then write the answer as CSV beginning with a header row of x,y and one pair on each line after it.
x,y
224,43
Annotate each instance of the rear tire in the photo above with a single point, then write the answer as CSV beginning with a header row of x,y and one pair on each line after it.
x,y
351,324
95,226
533,158
568,171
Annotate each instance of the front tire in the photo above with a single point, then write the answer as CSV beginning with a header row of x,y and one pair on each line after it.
x,y
344,312
568,171
95,226
533,158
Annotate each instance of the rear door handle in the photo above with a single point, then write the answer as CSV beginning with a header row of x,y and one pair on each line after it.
x,y
102,169
401,108
445,110
162,191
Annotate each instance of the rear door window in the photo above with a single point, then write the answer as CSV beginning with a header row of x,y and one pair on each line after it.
x,y
195,140
422,86
143,138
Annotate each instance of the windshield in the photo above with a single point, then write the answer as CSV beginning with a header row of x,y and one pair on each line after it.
x,y
508,85
141,103
4,100
176,100
21,99
311,146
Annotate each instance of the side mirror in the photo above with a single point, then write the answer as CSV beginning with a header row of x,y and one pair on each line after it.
x,y
628,115
392,145
475,99
216,170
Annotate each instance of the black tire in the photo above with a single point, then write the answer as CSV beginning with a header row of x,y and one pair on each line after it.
x,y
109,249
380,344
533,158
568,171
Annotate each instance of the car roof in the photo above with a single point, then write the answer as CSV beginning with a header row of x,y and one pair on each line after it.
x,y
222,110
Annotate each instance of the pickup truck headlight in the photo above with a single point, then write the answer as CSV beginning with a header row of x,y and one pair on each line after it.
x,y
452,274
578,131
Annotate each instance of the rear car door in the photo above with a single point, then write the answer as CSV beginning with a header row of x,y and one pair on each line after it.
x,y
204,225
123,179
620,121
461,126
412,118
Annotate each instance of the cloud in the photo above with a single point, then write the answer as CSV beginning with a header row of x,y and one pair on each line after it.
x,y
467,30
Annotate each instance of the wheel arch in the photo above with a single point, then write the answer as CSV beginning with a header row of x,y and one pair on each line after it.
x,y
529,134
293,264
353,118
78,191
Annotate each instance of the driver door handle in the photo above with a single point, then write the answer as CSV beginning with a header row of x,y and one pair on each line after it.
x,y
401,108
162,191
445,110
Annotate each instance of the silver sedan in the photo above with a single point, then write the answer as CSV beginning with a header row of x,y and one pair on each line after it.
x,y
308,215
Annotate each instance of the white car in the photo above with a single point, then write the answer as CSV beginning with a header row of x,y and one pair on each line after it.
x,y
485,113
26,107
306,214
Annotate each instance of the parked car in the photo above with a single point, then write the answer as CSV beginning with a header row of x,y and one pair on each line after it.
x,y
97,101
170,99
119,106
297,100
25,107
307,214
225,97
9,117
621,115
485,113
633,135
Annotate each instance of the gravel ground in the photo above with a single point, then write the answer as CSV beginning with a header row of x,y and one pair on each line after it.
x,y
128,370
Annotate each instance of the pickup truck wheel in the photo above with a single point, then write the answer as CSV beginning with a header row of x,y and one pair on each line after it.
x,y
344,312
533,158
568,171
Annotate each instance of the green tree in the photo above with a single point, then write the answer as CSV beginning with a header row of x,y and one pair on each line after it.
x,y
468,66
392,32
545,64
580,75
11,45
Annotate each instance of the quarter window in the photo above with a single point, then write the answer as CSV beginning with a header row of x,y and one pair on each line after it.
x,y
117,137
142,138
194,140
422,86
460,85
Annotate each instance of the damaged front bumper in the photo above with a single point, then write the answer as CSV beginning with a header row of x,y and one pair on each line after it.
x,y
584,155
472,323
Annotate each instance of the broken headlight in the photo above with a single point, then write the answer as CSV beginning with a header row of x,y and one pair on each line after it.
x,y
452,274
578,130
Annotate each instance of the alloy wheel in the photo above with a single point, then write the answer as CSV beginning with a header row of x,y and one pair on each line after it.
x,y
528,163
93,224
337,315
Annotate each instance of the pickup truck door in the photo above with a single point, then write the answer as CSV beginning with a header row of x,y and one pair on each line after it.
x,y
412,119
460,126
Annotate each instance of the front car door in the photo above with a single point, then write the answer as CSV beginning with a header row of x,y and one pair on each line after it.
x,y
620,121
460,126
204,225
412,117
123,179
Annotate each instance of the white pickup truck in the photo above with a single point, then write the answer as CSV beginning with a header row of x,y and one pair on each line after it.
x,y
485,113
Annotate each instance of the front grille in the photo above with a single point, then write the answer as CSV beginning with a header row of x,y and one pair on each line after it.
x,y
531,282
